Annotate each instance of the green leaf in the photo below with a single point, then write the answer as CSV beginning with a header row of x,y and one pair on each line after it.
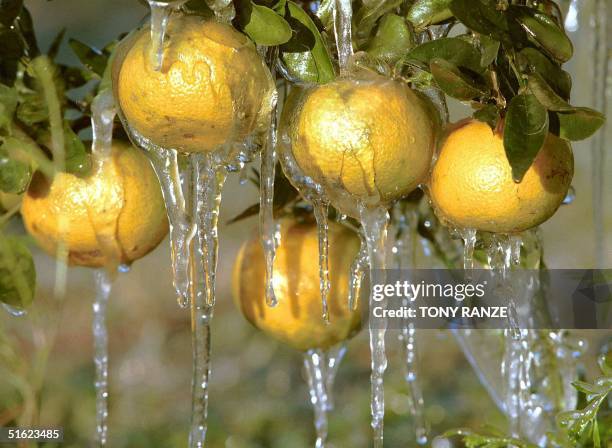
x,y
546,95
423,13
56,44
78,160
578,124
14,173
32,109
392,40
17,273
452,49
11,50
453,82
8,105
544,32
262,24
369,13
488,50
483,17
90,57
533,61
525,130
26,29
305,55
488,114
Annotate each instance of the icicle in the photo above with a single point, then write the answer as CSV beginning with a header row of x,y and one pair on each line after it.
x,y
320,368
334,357
405,222
268,229
320,211
602,90
408,337
343,16
179,206
358,268
469,243
571,18
208,179
103,283
374,222
160,15
570,196
108,187
13,311
103,114
314,366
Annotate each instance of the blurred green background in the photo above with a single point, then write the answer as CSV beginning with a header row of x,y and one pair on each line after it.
x,y
258,396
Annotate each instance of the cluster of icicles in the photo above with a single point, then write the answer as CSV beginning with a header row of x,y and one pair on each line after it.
x,y
191,185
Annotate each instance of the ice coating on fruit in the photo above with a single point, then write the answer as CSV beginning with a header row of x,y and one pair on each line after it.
x,y
366,140
217,85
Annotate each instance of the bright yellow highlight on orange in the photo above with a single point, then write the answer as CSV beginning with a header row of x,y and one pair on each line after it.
x,y
213,87
115,215
296,320
472,187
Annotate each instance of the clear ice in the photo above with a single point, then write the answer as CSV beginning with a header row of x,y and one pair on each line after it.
x,y
374,222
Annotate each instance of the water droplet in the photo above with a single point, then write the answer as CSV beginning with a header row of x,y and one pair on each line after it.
x,y
14,311
570,196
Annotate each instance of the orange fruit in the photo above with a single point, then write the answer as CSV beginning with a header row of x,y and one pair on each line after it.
x,y
297,318
213,87
370,140
114,215
471,185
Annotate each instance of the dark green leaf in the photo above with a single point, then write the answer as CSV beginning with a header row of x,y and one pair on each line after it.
x,y
9,10
8,105
544,32
453,82
17,273
488,114
488,49
483,17
423,13
246,213
533,61
56,44
23,23
262,24
546,95
577,125
392,40
78,160
90,57
452,49
11,50
525,130
199,7
305,56
14,174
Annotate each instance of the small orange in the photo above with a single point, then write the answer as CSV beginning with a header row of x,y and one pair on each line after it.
x,y
297,318
471,185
